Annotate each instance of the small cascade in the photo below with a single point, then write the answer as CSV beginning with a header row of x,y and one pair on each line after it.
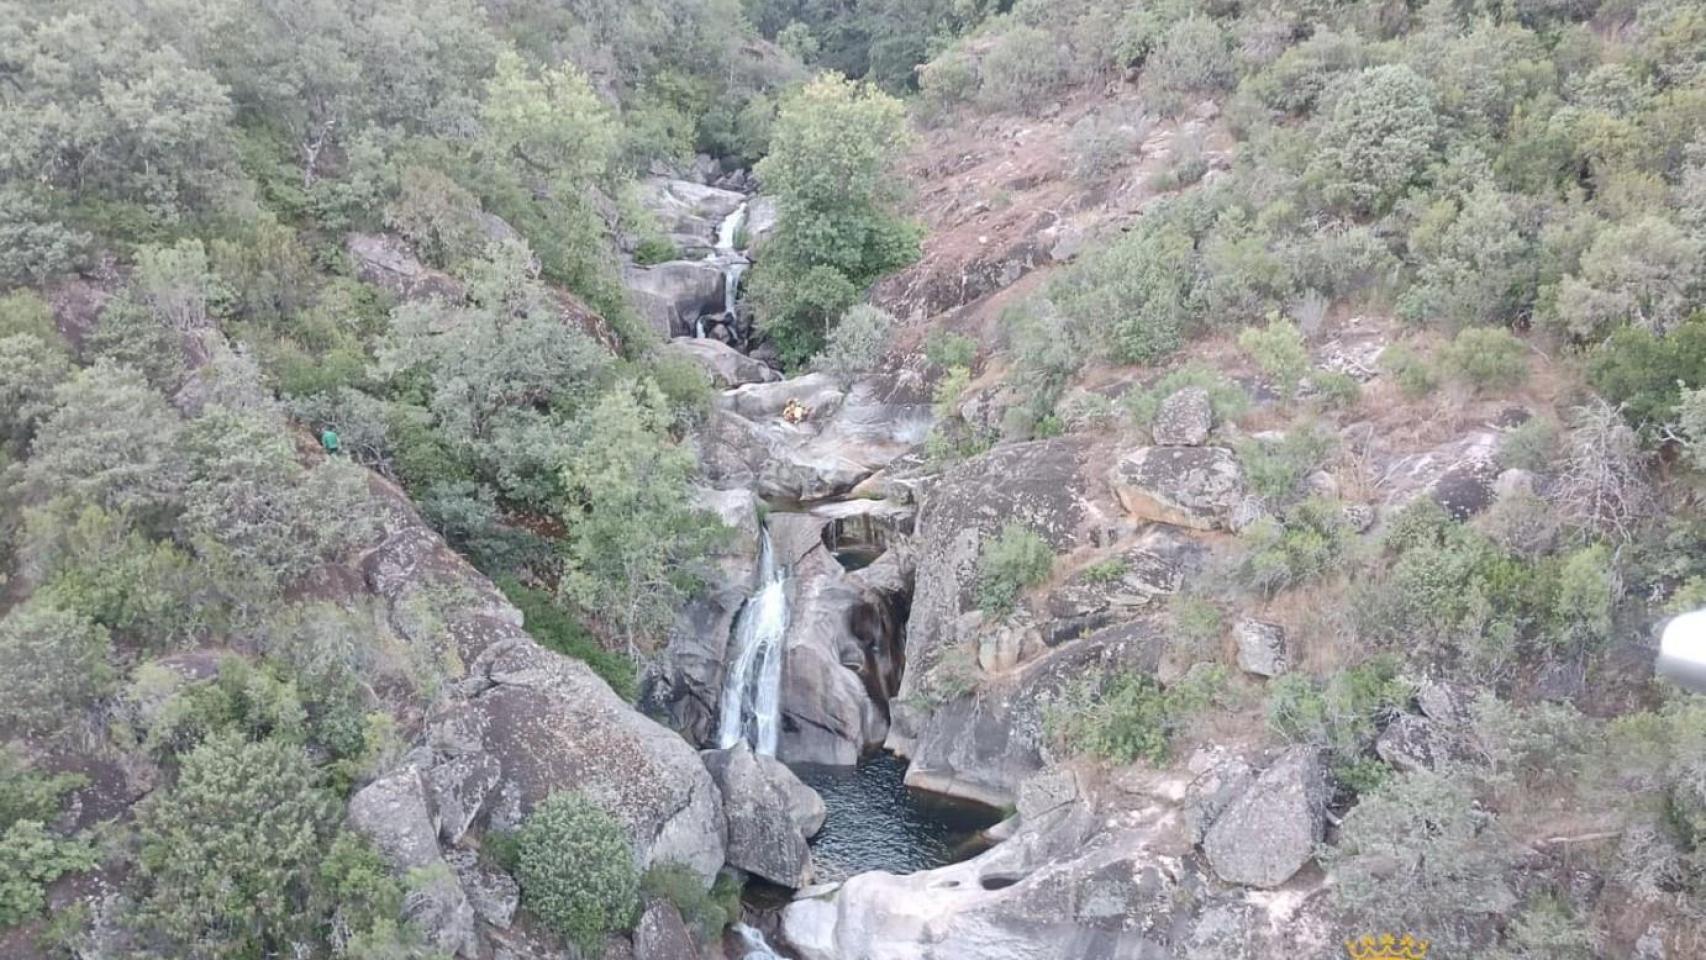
x,y
753,945
750,708
732,261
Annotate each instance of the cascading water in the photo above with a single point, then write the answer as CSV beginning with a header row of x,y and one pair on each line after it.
x,y
733,262
751,703
753,944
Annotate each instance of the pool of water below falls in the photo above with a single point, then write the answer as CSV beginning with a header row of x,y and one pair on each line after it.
x,y
876,822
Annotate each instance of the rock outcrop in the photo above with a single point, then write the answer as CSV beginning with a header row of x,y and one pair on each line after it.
x,y
1185,418
1197,487
1261,647
689,213
845,435
1270,831
1082,877
386,261
548,722
674,294
766,807
392,812
981,745
726,366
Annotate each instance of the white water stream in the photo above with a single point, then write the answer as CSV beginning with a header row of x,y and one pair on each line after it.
x,y
732,261
751,703
753,942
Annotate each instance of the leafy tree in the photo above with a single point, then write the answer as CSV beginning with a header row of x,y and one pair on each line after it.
x,y
550,121
1646,273
1475,268
1378,139
111,441
101,111
228,856
97,564
56,662
830,167
635,544
1132,296
249,498
30,369
576,869
856,344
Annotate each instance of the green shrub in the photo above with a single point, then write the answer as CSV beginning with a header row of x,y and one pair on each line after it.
x,y
708,912
947,81
1274,468
1134,292
655,250
1306,542
1280,351
1129,716
1023,70
1335,390
857,343
947,349
30,859
56,664
1587,590
1016,559
228,857
1100,142
1486,358
1645,373
1105,571
1417,854
576,869
1531,445
1342,713
26,794
1195,58
1409,369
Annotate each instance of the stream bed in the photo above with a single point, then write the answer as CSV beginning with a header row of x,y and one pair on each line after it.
x,y
875,822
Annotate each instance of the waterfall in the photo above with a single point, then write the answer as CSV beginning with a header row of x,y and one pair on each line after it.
x,y
733,263
752,689
753,942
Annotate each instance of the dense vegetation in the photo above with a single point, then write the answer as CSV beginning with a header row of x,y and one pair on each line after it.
x,y
1518,187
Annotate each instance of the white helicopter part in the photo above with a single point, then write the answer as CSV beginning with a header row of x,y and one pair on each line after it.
x,y
1682,651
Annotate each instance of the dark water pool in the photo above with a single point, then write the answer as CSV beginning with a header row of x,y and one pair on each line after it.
x,y
876,823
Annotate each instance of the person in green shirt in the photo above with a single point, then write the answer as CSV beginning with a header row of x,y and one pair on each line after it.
x,y
329,440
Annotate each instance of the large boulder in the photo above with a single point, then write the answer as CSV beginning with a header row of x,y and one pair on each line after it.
x,y
1185,418
549,722
388,262
1197,487
726,366
661,934
982,745
1266,835
392,812
1078,880
828,715
689,213
1459,475
1261,647
676,293
760,797
845,435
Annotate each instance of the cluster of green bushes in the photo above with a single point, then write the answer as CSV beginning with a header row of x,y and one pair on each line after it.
x,y
1127,716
